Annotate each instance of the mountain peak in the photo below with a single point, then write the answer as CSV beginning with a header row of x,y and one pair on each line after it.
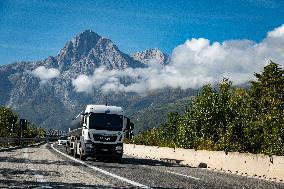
x,y
78,48
87,35
154,55
91,50
80,44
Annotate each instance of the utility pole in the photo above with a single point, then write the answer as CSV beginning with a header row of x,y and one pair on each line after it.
x,y
23,126
105,99
12,122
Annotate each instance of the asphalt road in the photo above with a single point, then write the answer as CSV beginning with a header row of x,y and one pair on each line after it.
x,y
133,172
48,166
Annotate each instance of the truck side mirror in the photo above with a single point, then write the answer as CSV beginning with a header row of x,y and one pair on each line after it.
x,y
127,124
131,126
129,135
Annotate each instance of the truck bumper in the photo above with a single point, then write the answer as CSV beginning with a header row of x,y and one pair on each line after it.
x,y
104,151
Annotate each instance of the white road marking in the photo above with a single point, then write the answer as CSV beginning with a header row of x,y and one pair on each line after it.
x,y
102,171
184,175
26,155
40,178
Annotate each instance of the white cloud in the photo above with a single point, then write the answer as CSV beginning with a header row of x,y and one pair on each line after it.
x,y
83,84
193,64
277,32
45,74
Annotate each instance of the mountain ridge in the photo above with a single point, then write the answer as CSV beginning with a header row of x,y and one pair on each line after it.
x,y
150,56
54,102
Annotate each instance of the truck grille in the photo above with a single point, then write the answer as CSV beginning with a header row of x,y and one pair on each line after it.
x,y
104,138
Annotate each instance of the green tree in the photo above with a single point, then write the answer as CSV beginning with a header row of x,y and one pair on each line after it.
x,y
169,130
6,115
267,127
150,137
204,117
229,118
234,139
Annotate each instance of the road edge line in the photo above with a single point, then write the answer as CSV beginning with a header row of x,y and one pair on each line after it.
x,y
102,171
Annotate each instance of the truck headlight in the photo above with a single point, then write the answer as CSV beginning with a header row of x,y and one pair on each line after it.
x,y
88,145
118,148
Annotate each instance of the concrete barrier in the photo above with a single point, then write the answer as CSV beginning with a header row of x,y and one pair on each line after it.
x,y
255,165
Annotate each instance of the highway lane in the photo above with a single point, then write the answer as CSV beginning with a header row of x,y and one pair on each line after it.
x,y
38,167
157,174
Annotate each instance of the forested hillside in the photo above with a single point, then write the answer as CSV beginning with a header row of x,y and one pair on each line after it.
x,y
154,115
229,118
151,110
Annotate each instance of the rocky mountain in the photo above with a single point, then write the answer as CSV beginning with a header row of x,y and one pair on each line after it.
x,y
53,102
151,56
81,55
88,50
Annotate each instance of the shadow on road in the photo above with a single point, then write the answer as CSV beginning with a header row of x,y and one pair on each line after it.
x,y
44,162
151,162
20,147
32,184
12,159
108,163
12,173
131,160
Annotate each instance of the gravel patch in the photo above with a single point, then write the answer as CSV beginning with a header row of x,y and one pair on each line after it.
x,y
38,167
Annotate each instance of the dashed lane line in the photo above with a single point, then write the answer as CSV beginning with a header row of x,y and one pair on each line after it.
x,y
172,172
103,171
184,175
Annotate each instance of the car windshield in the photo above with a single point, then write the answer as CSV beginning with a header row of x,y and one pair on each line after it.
x,y
102,121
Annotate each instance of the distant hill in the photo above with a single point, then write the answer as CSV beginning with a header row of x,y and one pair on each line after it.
x,y
155,115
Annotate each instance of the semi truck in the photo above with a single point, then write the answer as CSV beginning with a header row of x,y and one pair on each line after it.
x,y
98,132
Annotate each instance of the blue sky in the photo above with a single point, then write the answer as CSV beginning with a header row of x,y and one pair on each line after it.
x,y
35,29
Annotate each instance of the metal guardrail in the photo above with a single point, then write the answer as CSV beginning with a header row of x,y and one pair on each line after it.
x,y
6,142
13,140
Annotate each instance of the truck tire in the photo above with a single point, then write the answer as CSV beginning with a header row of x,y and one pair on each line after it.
x,y
75,153
71,152
82,157
117,159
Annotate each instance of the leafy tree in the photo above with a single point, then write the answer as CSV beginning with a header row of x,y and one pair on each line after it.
x,y
204,116
229,118
234,139
169,129
6,115
150,137
267,126
186,133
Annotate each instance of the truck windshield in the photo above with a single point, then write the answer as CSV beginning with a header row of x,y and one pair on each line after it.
x,y
102,121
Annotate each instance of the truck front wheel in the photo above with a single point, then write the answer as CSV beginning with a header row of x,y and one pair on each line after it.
x,y
82,157
71,152
117,159
75,153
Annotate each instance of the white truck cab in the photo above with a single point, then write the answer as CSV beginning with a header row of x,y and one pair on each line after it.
x,y
99,132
